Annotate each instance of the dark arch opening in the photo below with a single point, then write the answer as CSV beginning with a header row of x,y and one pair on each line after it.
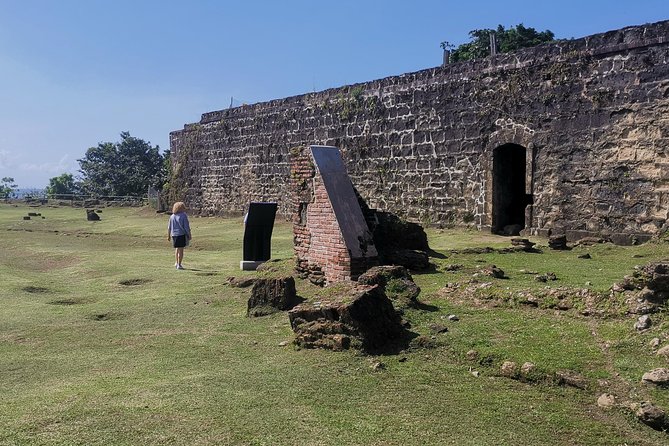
x,y
509,198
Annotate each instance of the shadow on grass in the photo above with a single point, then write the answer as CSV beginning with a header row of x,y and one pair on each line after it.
x,y
435,254
426,307
395,346
35,289
431,269
134,282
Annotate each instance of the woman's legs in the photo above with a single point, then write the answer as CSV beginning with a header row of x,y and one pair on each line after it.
x,y
179,254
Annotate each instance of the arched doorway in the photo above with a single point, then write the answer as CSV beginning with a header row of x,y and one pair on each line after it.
x,y
509,197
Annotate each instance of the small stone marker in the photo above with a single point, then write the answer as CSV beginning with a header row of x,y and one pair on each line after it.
x,y
606,401
509,369
643,323
558,242
493,271
527,369
523,244
664,351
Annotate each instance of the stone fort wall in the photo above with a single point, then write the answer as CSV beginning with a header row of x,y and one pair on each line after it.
x,y
589,116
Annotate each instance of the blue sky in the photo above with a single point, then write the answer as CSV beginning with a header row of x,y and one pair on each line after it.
x,y
74,73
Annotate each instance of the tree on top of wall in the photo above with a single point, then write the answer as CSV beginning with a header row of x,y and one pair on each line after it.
x,y
512,39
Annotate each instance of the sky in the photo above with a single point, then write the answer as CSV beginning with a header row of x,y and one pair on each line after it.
x,y
75,73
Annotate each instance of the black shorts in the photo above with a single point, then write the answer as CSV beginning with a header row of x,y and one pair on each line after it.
x,y
179,241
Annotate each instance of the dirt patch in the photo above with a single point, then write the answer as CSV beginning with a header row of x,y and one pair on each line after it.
x,y
35,289
106,316
28,260
134,282
66,302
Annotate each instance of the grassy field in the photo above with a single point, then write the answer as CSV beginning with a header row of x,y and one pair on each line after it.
x,y
102,342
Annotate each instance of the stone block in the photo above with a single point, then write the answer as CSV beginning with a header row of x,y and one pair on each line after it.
x,y
360,316
271,295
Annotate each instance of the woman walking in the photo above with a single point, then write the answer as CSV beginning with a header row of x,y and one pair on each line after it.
x,y
178,230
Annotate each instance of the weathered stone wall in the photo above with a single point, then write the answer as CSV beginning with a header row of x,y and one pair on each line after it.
x,y
592,115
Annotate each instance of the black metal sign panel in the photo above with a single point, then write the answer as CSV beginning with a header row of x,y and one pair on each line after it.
x,y
259,223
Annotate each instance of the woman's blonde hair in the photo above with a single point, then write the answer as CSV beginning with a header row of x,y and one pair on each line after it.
x,y
179,206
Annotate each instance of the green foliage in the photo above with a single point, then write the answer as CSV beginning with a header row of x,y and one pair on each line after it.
x,y
508,40
351,105
166,168
127,167
62,185
7,187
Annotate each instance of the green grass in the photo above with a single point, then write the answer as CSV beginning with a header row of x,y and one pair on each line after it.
x,y
171,358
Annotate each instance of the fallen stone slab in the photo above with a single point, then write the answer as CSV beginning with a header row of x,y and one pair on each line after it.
x,y
659,377
664,351
493,271
571,378
658,276
523,244
653,416
589,241
409,258
558,242
396,282
91,215
271,295
358,316
241,282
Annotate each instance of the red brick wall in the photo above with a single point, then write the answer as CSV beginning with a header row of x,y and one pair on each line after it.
x,y
327,247
320,248
319,245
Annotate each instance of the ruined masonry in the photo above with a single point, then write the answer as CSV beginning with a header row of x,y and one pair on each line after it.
x,y
567,138
331,238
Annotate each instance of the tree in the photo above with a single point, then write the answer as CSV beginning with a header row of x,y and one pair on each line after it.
x,y
7,187
123,168
165,170
62,185
508,40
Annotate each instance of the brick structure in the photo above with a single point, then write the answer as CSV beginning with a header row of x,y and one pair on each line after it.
x,y
570,137
332,241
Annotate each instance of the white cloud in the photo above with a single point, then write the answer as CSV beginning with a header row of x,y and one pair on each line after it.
x,y
60,166
7,159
